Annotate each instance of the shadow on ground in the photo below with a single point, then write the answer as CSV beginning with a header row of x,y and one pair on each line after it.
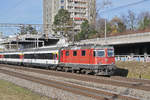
x,y
121,72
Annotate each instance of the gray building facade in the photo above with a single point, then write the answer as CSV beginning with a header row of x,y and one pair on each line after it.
x,y
79,10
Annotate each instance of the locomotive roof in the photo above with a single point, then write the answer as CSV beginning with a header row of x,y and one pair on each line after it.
x,y
87,47
35,49
70,47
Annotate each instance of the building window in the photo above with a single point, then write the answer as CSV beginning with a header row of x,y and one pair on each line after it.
x,y
83,53
74,53
62,7
62,1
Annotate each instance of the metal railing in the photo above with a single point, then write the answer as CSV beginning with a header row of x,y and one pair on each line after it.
x,y
138,58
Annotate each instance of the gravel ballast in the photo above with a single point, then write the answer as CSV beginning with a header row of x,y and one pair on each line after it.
x,y
143,95
43,90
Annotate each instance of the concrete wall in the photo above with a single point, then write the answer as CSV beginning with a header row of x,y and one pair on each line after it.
x,y
123,39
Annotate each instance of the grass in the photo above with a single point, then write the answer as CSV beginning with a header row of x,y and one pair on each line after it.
x,y
136,69
9,91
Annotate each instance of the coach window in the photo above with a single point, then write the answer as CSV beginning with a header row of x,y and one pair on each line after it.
x,y
51,56
41,56
36,56
29,56
74,53
83,53
6,56
67,53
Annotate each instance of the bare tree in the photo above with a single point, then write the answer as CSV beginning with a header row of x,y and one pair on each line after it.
x,y
100,26
100,22
144,20
100,6
132,20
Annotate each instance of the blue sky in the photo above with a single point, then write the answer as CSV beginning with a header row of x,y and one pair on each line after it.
x,y
30,11
21,11
137,8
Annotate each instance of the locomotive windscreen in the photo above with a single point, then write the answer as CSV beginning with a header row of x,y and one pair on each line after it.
x,y
110,53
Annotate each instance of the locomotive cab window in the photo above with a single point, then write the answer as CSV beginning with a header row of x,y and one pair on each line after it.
x,y
110,53
100,53
67,53
83,53
74,53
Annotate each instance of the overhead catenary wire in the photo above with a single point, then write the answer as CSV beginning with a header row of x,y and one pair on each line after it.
x,y
124,6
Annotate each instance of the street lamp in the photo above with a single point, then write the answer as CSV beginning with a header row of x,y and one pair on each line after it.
x,y
105,35
105,4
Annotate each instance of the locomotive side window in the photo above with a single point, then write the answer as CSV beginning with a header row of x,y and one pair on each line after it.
x,y
62,53
83,53
74,53
67,53
94,53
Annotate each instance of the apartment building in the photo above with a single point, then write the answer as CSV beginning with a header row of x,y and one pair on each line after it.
x,y
80,10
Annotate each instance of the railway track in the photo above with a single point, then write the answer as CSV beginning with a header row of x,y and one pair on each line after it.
x,y
115,81
81,90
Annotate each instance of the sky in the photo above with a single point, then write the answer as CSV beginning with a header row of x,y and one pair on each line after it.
x,y
30,11
123,6
21,11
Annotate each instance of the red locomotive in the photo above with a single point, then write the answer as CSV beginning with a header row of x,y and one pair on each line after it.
x,y
98,60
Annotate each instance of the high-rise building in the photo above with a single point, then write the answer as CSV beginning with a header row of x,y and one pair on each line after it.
x,y
79,10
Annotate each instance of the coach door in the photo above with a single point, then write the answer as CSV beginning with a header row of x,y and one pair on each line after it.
x,y
55,58
93,58
62,56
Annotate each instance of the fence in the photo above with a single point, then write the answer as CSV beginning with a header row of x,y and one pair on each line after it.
x,y
139,58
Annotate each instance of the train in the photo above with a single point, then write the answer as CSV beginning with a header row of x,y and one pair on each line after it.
x,y
98,60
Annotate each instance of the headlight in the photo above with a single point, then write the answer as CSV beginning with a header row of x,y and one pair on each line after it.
x,y
106,60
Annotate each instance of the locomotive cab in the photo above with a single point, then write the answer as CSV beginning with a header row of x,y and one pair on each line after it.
x,y
104,56
104,61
